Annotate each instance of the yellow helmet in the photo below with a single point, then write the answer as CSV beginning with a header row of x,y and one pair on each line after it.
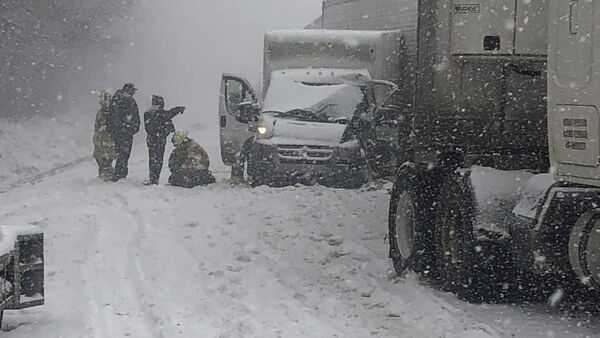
x,y
179,137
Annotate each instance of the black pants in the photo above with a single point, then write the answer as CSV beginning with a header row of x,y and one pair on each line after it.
x,y
123,147
190,180
156,154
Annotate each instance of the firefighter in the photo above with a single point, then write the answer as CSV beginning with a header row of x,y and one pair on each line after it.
x,y
189,163
104,144
123,121
158,124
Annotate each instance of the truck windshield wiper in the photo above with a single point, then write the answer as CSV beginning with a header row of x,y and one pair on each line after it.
x,y
303,113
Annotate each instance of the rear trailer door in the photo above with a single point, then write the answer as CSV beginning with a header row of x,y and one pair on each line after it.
x,y
483,27
574,90
531,32
499,27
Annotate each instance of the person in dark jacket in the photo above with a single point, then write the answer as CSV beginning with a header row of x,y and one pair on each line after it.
x,y
189,163
123,121
158,124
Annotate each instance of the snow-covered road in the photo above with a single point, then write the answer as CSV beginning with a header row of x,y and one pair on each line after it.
x,y
230,261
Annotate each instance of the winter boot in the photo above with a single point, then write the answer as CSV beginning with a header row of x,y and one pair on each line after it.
x,y
237,175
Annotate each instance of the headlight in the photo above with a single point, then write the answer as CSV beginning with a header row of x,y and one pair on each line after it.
x,y
262,130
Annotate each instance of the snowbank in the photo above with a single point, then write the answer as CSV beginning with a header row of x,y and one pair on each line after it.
x,y
29,148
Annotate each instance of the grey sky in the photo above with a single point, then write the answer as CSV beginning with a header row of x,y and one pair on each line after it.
x,y
184,45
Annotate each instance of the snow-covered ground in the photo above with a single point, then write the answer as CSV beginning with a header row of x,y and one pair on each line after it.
x,y
230,261
29,148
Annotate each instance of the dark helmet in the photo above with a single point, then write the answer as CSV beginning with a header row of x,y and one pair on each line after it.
x,y
129,86
158,100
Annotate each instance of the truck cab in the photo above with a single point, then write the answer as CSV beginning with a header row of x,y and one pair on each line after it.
x,y
325,116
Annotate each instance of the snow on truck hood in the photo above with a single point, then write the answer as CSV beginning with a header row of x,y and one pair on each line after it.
x,y
329,133
290,131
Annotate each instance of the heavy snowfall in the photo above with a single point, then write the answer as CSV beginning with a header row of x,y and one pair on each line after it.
x,y
225,260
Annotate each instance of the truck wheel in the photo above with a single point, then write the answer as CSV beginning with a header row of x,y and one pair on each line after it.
x,y
457,250
454,235
410,237
250,171
584,252
252,176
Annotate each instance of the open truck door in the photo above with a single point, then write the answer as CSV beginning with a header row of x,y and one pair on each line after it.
x,y
238,110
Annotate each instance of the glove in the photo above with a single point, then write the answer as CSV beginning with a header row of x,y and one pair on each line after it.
x,y
180,109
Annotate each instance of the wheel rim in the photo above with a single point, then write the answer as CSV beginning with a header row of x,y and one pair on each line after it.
x,y
592,254
405,225
584,254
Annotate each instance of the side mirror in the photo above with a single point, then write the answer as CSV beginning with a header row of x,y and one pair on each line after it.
x,y
247,112
383,91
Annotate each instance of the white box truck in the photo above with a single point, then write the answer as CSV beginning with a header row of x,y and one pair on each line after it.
x,y
324,92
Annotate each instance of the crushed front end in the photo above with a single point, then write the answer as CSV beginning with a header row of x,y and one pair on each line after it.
x,y
280,164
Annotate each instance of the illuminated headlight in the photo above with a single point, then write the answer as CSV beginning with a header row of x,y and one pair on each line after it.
x,y
262,130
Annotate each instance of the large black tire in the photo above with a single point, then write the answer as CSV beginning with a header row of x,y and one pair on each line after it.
x,y
411,237
474,270
253,177
454,234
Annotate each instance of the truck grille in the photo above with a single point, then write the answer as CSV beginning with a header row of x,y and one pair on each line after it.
x,y
304,154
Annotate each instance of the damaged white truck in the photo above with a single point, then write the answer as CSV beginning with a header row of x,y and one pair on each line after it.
x,y
322,115
502,189
21,268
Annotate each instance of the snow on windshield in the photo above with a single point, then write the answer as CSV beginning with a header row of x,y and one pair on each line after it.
x,y
327,100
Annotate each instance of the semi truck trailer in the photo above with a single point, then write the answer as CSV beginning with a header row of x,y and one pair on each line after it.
x,y
315,119
502,186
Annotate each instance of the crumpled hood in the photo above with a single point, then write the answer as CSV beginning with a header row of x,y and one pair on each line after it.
x,y
285,130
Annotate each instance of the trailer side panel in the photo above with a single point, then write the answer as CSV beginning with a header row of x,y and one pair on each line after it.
x,y
473,93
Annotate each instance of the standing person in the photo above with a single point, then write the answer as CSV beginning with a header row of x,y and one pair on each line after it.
x,y
158,124
189,163
104,143
123,120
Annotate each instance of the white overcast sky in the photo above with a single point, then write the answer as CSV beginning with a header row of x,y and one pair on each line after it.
x,y
183,46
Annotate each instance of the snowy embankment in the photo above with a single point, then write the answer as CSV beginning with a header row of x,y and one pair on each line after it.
x,y
30,148
230,261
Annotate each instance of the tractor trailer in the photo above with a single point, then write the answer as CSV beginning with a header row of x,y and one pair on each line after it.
x,y
502,182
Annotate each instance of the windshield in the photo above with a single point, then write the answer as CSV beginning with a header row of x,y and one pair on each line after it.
x,y
327,102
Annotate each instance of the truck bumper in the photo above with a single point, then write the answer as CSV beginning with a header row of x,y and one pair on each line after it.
x,y
343,167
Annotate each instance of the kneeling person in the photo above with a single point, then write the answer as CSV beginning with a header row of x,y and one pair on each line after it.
x,y
189,163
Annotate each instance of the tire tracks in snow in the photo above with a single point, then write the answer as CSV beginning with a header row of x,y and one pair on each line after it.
x,y
134,252
6,187
112,282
